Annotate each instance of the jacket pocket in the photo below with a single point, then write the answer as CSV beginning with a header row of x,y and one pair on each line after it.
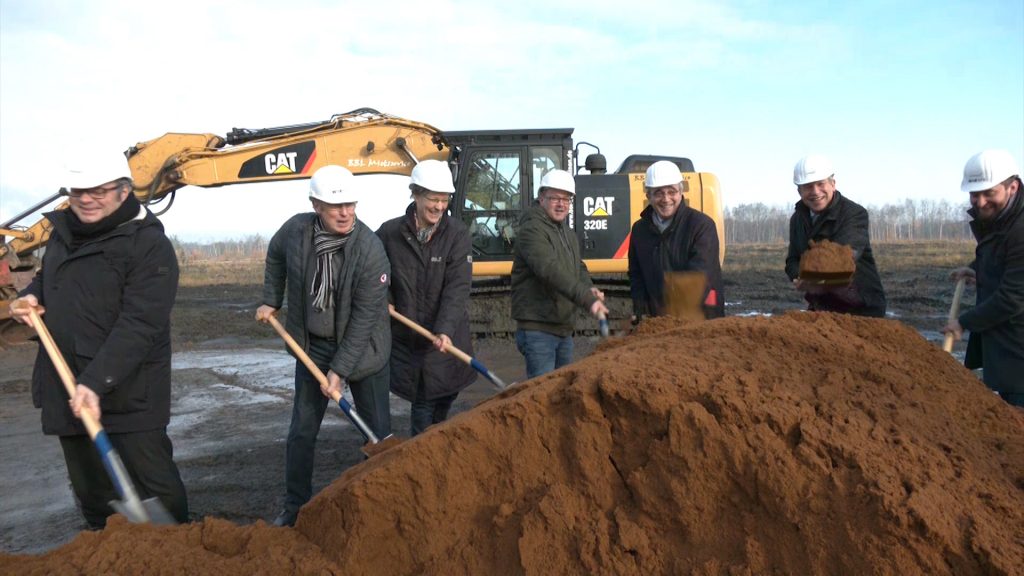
x,y
129,395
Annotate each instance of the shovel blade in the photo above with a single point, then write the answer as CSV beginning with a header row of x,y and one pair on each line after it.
x,y
149,510
371,450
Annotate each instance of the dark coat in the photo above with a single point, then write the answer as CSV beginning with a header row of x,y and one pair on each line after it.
x,y
549,279
690,243
996,323
108,307
843,222
430,285
360,300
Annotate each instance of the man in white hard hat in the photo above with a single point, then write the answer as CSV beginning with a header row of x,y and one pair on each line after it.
x,y
549,279
106,289
996,322
671,237
432,271
334,272
823,213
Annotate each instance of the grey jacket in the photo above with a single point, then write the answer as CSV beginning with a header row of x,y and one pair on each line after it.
x,y
362,325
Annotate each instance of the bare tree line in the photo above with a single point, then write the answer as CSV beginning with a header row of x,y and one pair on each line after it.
x,y
744,224
909,220
249,248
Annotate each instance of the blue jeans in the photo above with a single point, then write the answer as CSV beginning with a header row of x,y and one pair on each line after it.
x,y
543,351
371,396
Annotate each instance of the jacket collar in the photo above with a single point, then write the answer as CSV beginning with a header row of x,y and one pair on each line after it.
x,y
410,219
831,212
144,219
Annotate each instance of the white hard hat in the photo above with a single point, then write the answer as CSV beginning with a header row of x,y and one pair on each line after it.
x,y
662,173
559,180
987,169
812,168
434,175
333,184
92,170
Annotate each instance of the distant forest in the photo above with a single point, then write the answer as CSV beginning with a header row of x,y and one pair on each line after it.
x,y
907,221
744,224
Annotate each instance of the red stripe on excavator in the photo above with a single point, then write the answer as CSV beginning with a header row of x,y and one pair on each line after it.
x,y
624,248
312,157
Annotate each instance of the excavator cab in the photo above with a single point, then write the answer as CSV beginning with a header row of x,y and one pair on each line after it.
x,y
498,175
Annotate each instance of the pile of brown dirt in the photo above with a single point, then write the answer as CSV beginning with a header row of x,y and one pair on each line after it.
x,y
826,259
803,444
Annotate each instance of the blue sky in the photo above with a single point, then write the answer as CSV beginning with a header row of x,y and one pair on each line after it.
x,y
899,95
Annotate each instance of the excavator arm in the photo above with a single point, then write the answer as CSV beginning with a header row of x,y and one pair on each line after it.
x,y
364,141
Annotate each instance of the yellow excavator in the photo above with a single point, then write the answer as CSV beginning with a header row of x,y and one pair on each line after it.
x,y
497,174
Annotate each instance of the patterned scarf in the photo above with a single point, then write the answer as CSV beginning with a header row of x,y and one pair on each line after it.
x,y
325,244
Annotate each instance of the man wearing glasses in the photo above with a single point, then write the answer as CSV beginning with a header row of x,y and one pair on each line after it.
x,y
671,237
549,279
107,285
334,272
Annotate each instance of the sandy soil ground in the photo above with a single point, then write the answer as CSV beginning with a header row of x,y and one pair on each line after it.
x,y
232,397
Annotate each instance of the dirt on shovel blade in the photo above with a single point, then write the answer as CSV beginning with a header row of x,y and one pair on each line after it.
x,y
802,444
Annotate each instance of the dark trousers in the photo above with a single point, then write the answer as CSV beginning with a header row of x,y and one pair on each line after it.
x,y
427,412
372,403
149,458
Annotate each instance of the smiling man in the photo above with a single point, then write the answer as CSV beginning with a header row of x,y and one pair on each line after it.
x,y
549,279
107,286
823,213
431,275
334,272
996,323
671,237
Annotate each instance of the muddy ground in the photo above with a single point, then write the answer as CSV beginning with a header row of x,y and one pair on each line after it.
x,y
232,392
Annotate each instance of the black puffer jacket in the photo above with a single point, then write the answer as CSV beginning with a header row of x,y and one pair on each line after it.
x,y
430,285
360,300
997,322
108,306
690,243
843,222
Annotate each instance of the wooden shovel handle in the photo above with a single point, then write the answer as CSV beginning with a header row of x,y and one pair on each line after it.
x,y
451,349
70,384
301,354
954,313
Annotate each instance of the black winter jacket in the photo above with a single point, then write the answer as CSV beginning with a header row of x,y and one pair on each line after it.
x,y
549,280
430,285
843,222
108,306
362,327
690,243
996,323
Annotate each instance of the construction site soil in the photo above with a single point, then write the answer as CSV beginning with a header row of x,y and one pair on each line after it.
x,y
795,444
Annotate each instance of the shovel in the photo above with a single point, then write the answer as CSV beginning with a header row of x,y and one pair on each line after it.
x,y
376,445
954,313
130,506
451,349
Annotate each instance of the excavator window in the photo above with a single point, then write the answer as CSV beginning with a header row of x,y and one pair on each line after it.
x,y
492,201
542,160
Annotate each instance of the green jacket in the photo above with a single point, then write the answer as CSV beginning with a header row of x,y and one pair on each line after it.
x,y
548,277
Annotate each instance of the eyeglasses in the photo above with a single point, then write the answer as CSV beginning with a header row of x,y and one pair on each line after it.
x,y
559,199
659,194
98,193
